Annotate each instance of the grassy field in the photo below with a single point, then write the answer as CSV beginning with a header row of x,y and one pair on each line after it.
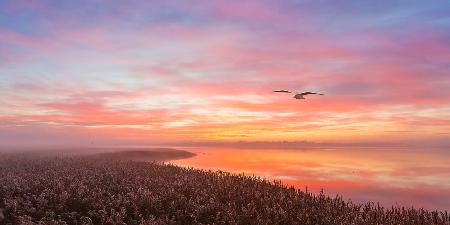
x,y
162,154
112,189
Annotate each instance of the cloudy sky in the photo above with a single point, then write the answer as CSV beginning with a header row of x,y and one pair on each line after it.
x,y
108,71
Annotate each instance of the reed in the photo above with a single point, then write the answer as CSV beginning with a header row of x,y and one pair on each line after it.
x,y
94,190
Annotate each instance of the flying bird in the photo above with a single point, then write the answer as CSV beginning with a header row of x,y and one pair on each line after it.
x,y
299,95
282,91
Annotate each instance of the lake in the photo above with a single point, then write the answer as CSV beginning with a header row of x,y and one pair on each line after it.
x,y
390,176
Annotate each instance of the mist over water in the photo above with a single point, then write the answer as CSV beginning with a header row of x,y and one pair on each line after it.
x,y
391,176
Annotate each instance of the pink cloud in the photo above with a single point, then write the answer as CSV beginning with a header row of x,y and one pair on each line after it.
x,y
251,10
227,64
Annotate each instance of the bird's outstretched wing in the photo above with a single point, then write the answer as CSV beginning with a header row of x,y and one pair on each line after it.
x,y
282,91
310,93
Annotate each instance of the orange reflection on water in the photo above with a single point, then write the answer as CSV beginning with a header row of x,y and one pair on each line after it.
x,y
416,177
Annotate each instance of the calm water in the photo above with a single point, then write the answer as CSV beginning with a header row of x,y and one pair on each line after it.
x,y
418,177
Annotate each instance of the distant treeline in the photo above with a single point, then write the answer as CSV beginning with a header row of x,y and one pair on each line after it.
x,y
286,144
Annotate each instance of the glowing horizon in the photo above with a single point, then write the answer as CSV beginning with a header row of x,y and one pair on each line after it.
x,y
74,72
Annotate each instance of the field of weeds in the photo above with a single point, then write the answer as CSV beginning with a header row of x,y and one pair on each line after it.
x,y
48,189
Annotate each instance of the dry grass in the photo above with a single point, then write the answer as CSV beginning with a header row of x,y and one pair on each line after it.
x,y
153,155
104,190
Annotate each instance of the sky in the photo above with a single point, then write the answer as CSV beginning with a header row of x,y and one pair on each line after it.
x,y
99,72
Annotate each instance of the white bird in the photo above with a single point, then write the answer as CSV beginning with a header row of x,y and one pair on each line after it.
x,y
299,95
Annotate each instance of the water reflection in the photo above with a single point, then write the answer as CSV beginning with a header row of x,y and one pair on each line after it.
x,y
390,176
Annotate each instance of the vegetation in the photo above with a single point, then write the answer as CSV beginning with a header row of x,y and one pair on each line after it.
x,y
162,154
36,189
